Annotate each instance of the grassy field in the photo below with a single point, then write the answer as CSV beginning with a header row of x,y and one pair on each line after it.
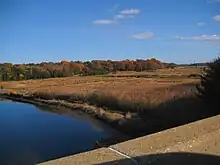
x,y
151,91
160,102
175,71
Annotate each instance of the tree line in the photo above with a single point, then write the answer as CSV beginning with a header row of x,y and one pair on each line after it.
x,y
9,71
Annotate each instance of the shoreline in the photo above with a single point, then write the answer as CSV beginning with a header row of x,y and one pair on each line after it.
x,y
94,112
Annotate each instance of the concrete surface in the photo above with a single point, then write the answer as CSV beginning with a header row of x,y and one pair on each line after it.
x,y
194,143
98,156
199,136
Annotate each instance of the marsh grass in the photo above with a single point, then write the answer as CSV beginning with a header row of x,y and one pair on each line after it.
x,y
125,103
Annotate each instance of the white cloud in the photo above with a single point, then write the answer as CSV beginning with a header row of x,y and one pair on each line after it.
x,y
124,14
201,24
200,38
127,14
121,16
217,18
103,22
146,35
130,12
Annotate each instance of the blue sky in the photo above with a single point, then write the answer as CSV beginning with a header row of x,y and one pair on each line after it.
x,y
181,31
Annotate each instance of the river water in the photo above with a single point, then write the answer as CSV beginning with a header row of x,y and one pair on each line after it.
x,y
30,135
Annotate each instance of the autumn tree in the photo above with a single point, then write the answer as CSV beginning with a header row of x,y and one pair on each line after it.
x,y
9,71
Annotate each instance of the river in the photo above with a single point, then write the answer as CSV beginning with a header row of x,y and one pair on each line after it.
x,y
30,135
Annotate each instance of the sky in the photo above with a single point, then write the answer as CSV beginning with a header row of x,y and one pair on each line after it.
x,y
180,31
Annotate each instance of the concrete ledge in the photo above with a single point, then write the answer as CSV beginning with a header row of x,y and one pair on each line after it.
x,y
201,137
98,156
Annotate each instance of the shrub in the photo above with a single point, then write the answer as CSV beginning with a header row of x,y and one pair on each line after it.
x,y
209,87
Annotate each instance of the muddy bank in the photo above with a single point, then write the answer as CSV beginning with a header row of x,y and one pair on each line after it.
x,y
112,121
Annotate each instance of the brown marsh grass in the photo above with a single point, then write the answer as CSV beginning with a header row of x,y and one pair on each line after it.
x,y
119,93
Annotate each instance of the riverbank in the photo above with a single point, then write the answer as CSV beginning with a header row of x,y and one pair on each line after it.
x,y
132,118
139,107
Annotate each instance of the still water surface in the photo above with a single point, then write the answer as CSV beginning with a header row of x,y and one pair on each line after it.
x,y
29,134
